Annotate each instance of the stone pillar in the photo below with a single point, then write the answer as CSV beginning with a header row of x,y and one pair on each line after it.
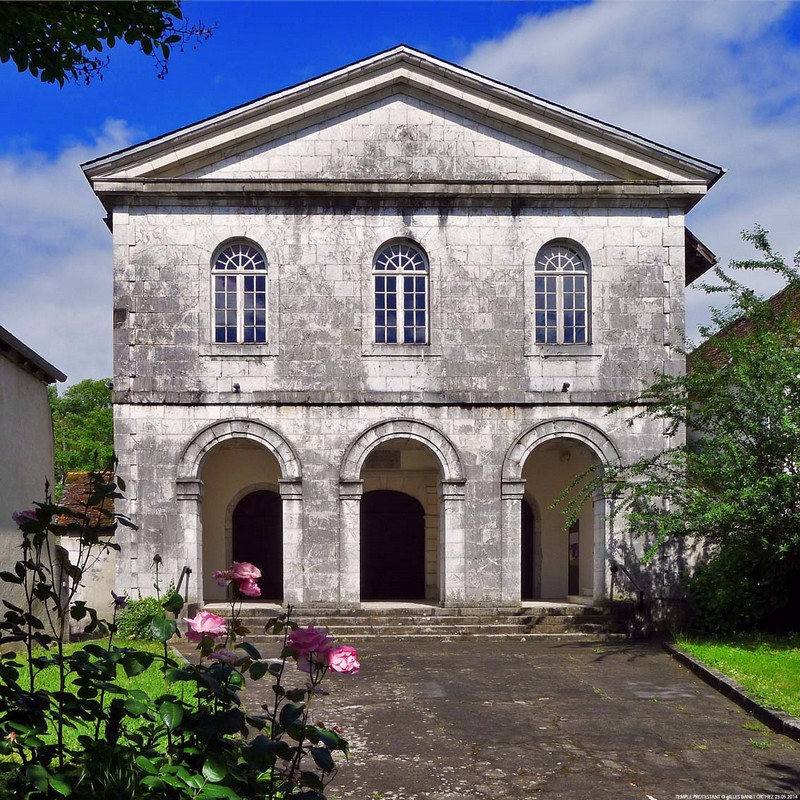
x,y
350,542
189,494
291,491
453,545
601,547
511,495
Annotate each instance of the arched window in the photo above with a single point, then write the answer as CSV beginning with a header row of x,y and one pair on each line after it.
x,y
561,295
239,275
401,294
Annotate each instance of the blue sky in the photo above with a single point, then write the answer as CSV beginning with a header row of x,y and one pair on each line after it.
x,y
719,80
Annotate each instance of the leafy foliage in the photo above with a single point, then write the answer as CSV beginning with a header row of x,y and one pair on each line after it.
x,y
59,42
734,484
193,739
83,427
135,619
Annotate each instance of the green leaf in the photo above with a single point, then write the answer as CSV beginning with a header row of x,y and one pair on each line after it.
x,y
323,759
258,670
173,602
247,647
212,790
171,714
290,713
135,707
38,776
58,784
214,770
163,629
137,662
312,780
329,737
146,765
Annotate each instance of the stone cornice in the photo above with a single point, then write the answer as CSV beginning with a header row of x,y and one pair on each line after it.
x,y
133,191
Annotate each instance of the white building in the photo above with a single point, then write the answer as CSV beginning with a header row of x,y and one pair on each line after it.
x,y
367,328
26,440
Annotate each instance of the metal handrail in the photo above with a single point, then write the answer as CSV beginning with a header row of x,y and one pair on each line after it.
x,y
616,567
185,573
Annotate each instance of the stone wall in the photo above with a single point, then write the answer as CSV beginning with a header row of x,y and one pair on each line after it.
x,y
151,441
320,303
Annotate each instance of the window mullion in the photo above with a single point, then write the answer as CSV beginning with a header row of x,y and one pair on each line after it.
x,y
240,308
560,309
401,308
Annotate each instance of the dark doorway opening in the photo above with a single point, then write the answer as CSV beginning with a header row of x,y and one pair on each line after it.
x,y
392,546
257,537
573,559
527,590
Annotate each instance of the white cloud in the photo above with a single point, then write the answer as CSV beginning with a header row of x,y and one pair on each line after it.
x,y
716,80
55,277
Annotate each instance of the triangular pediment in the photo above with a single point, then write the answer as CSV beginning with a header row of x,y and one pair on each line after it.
x,y
398,137
406,116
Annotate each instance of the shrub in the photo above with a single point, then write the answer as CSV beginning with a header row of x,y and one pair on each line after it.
x,y
134,620
174,745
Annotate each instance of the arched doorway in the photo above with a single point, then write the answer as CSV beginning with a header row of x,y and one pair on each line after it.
x,y
392,546
241,476
563,555
257,537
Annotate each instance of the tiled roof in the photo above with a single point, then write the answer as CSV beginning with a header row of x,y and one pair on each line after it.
x,y
77,490
785,301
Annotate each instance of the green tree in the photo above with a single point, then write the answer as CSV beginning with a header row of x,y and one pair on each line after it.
x,y
734,484
66,41
83,427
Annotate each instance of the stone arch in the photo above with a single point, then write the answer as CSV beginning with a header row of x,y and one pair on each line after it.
x,y
189,493
442,448
189,464
562,428
452,536
513,490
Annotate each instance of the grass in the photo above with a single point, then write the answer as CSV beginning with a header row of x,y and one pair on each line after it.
x,y
150,681
767,667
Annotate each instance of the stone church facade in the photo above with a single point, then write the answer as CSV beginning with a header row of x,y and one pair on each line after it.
x,y
367,328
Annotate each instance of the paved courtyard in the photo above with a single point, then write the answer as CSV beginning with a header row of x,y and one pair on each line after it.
x,y
490,720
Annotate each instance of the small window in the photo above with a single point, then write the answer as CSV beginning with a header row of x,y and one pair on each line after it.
x,y
401,295
561,296
239,275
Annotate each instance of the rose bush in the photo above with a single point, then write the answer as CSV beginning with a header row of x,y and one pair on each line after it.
x,y
177,745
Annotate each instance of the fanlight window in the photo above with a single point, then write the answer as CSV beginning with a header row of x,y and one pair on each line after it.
x,y
240,295
561,296
401,295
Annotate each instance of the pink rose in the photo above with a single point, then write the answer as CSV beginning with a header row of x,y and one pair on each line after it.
x,y
23,517
344,659
225,656
310,640
249,589
244,571
205,623
223,577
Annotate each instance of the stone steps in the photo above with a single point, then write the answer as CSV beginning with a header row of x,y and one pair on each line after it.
x,y
413,621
